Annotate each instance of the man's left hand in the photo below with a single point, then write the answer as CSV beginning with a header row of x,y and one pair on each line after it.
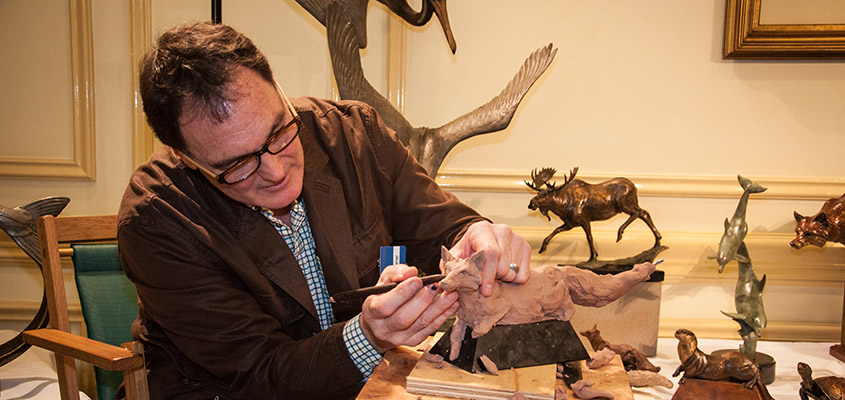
x,y
502,248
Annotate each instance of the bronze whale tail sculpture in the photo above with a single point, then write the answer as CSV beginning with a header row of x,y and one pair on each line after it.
x,y
736,228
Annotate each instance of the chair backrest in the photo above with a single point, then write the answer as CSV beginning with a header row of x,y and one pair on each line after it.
x,y
109,304
108,299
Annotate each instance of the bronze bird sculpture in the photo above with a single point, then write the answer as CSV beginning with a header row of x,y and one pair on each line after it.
x,y
343,20
20,224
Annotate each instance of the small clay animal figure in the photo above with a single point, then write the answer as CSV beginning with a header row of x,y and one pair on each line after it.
x,y
584,390
824,388
631,358
736,228
551,292
828,225
577,203
637,378
723,366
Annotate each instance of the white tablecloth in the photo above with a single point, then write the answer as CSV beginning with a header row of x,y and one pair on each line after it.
x,y
30,376
786,355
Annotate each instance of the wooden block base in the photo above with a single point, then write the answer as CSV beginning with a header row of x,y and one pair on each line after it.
x,y
699,389
838,351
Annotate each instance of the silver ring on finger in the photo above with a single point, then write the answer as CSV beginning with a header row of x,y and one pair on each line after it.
x,y
514,267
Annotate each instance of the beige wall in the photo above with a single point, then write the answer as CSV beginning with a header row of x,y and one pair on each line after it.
x,y
638,89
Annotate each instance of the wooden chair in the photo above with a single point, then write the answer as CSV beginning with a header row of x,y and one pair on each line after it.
x,y
126,358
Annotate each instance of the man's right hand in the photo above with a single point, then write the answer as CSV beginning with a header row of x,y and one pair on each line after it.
x,y
407,314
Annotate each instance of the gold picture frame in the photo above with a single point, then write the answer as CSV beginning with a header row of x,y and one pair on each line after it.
x,y
746,38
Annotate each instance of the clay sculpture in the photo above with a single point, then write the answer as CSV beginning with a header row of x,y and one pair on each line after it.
x,y
723,366
551,292
827,225
824,388
577,203
632,358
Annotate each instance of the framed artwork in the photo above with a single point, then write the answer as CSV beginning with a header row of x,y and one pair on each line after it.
x,y
816,32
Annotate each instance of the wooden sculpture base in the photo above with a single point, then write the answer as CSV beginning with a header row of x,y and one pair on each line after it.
x,y
699,389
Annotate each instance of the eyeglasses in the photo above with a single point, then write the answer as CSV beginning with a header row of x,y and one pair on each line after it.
x,y
246,166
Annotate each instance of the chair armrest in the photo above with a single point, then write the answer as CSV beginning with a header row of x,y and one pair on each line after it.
x,y
101,354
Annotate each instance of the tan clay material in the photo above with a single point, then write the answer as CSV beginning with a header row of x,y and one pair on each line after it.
x,y
600,358
637,378
551,292
584,390
489,365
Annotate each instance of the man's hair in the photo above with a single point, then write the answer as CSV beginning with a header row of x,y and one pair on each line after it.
x,y
193,63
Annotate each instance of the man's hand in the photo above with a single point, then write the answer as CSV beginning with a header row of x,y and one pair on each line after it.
x,y
407,314
502,248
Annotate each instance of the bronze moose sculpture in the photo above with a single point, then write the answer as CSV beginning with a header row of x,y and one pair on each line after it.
x,y
577,203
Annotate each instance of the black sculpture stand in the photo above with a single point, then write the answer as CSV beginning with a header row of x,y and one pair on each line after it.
x,y
516,346
621,264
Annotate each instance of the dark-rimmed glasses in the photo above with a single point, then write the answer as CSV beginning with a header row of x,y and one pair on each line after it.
x,y
246,166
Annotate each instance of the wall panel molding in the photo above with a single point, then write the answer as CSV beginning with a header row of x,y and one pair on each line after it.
x,y
774,331
140,22
780,188
83,164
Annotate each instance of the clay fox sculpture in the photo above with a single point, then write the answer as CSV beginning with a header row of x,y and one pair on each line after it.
x,y
736,228
551,292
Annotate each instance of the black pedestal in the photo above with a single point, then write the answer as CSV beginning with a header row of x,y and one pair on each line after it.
x,y
516,346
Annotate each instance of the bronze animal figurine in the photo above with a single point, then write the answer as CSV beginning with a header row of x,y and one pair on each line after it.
x,y
577,203
736,228
723,366
632,358
824,388
828,225
551,292
748,297
345,22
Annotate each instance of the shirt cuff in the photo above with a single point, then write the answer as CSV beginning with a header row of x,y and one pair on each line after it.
x,y
363,354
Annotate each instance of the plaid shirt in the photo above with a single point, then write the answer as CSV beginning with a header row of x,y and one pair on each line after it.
x,y
301,242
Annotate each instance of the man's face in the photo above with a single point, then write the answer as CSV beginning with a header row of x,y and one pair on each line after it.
x,y
256,113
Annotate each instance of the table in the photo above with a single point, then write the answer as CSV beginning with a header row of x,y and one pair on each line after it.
x,y
388,381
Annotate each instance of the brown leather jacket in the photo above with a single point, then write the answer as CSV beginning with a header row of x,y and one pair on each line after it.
x,y
224,307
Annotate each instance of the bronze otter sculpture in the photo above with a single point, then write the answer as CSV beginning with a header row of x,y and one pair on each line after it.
x,y
725,366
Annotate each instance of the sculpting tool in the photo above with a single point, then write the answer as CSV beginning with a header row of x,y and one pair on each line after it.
x,y
364,292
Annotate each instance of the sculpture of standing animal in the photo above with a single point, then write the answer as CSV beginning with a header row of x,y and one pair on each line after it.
x,y
828,225
722,366
632,358
577,203
736,228
551,292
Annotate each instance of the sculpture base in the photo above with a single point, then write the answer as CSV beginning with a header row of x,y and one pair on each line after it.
x,y
516,346
699,389
838,351
765,363
622,264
